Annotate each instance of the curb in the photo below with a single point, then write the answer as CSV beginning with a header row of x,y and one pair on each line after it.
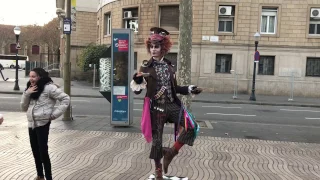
x,y
200,101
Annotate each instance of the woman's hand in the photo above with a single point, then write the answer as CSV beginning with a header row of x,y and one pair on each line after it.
x,y
32,89
52,117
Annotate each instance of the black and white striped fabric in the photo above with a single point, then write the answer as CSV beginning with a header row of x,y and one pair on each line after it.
x,y
152,177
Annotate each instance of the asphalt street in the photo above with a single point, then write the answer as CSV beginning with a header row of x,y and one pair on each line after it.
x,y
300,124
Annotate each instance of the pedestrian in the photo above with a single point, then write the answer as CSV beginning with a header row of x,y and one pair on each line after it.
x,y
157,76
1,119
38,100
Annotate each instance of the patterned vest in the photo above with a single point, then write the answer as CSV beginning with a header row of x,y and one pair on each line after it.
x,y
163,76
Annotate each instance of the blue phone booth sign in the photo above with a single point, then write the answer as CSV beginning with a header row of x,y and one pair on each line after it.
x,y
122,68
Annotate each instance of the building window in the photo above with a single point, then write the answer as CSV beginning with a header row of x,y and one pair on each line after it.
x,y
223,63
226,18
313,67
169,17
173,57
107,24
314,25
268,20
13,48
35,49
266,65
131,19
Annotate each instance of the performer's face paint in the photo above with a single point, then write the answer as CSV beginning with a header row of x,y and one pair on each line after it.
x,y
33,77
155,50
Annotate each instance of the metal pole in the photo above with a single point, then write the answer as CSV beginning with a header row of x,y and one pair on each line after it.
x,y
236,74
235,85
66,70
16,85
94,75
292,85
253,96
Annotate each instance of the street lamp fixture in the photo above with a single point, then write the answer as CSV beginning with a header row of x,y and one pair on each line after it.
x,y
256,60
17,32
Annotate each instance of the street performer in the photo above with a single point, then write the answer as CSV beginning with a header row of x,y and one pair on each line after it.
x,y
161,102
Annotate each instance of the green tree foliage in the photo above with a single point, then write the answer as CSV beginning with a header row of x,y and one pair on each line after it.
x,y
91,55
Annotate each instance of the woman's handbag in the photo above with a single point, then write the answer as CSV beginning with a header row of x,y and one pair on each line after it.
x,y
146,120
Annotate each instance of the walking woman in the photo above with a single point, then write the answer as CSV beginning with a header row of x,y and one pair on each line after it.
x,y
39,100
157,77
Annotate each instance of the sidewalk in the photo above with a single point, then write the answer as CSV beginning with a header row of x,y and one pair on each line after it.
x,y
84,89
104,155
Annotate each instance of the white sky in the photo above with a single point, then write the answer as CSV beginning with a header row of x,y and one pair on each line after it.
x,y
27,12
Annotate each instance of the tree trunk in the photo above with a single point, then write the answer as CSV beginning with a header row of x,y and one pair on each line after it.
x,y
185,47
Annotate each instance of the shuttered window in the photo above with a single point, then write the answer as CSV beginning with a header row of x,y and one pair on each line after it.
x,y
35,49
169,18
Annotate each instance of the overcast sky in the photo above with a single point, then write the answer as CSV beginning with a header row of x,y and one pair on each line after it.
x,y
27,12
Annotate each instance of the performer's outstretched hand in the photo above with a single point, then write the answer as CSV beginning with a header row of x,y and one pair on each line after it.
x,y
194,89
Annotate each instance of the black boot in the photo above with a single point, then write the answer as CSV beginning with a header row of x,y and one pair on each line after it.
x,y
169,154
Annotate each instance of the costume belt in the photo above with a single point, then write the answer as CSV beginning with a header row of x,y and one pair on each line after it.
x,y
160,92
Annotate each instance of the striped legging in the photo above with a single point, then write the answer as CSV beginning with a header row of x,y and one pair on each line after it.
x,y
167,112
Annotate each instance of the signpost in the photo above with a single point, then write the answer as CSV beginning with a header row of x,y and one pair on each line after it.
x,y
122,56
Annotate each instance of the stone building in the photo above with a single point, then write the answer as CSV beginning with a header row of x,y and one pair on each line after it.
x,y
223,39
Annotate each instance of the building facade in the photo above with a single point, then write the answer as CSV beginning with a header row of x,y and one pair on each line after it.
x,y
223,40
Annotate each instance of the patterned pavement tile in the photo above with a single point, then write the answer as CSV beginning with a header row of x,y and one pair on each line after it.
x,y
104,155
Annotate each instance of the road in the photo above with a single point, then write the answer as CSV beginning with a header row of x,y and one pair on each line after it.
x,y
226,120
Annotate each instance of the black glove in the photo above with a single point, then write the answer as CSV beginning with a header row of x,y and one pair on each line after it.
x,y
136,79
196,90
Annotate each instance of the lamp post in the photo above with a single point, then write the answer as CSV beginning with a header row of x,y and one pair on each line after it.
x,y
17,32
256,59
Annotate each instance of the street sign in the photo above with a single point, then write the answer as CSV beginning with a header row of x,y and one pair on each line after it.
x,y
121,76
18,46
256,56
66,25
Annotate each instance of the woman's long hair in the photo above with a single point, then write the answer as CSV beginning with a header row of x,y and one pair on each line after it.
x,y
44,79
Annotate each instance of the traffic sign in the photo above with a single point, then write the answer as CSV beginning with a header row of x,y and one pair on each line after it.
x,y
256,56
18,45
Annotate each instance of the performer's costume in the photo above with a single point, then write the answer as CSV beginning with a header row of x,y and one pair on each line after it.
x,y
162,90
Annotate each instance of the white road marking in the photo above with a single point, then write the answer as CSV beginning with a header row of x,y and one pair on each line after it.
x,y
137,109
287,125
208,124
78,100
247,115
224,107
296,110
311,118
138,103
8,97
